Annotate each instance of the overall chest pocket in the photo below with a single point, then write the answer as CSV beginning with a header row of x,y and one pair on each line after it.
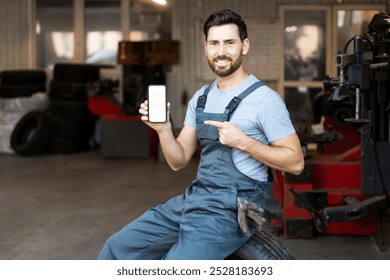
x,y
204,131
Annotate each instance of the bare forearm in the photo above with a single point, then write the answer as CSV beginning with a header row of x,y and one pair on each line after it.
x,y
172,150
284,158
178,151
284,154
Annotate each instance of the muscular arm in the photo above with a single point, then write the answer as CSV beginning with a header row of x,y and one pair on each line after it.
x,y
284,154
177,151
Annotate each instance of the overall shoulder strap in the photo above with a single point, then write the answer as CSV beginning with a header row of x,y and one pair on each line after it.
x,y
250,89
237,99
203,98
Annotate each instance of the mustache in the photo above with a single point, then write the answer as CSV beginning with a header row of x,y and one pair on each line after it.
x,y
222,57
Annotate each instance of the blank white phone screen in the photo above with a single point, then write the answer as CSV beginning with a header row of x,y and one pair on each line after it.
x,y
157,103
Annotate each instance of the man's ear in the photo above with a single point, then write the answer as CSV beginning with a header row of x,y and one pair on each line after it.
x,y
245,47
205,49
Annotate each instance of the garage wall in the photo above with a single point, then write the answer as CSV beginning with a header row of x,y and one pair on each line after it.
x,y
16,38
186,14
17,31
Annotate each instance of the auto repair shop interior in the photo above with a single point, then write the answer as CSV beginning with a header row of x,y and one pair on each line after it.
x,y
77,163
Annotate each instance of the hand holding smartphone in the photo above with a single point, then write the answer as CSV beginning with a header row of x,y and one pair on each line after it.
x,y
157,104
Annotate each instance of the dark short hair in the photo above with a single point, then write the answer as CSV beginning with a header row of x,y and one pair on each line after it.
x,y
223,17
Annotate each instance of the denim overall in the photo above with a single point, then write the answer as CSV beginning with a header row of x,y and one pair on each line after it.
x,y
202,222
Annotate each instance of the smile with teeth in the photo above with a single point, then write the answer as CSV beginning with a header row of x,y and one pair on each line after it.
x,y
222,61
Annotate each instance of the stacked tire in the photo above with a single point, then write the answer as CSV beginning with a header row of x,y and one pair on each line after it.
x,y
72,124
21,83
22,92
30,135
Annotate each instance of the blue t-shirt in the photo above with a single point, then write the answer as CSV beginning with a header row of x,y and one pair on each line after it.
x,y
262,115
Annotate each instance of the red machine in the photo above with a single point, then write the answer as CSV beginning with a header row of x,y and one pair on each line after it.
x,y
344,189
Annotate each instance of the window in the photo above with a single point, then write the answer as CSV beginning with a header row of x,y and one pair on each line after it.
x,y
305,61
304,45
311,41
102,31
54,30
149,21
351,21
89,30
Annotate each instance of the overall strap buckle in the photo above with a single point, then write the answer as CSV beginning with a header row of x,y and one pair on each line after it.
x,y
237,99
203,98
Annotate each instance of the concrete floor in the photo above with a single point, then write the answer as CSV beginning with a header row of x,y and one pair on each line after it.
x,y
63,207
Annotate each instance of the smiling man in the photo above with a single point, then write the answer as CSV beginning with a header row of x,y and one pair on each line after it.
x,y
243,127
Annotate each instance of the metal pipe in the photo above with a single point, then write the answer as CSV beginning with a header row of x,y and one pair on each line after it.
x,y
379,65
357,105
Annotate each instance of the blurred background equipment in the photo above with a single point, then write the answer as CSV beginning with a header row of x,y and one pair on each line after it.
x,y
346,191
144,64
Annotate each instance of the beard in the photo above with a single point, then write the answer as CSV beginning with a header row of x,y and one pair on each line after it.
x,y
228,69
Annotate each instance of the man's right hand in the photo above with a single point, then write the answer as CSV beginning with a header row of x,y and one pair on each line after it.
x,y
158,127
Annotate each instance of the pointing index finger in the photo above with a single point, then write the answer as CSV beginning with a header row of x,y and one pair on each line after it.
x,y
214,123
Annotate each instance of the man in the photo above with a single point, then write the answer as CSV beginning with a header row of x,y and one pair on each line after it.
x,y
238,141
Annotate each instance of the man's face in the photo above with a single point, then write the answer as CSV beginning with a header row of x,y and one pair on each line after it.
x,y
224,49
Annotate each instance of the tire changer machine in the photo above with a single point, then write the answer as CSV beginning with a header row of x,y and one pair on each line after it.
x,y
347,193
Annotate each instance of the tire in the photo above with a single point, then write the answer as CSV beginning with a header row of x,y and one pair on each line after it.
x,y
63,90
262,246
23,77
70,110
81,129
13,91
76,73
30,134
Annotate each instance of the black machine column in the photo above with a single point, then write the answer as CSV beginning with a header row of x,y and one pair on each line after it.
x,y
366,74
144,63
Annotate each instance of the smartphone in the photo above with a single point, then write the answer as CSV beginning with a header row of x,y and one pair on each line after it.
x,y
157,99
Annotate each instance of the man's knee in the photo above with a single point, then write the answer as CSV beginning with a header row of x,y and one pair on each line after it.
x,y
106,252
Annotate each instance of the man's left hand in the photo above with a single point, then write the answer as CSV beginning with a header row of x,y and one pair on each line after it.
x,y
229,133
